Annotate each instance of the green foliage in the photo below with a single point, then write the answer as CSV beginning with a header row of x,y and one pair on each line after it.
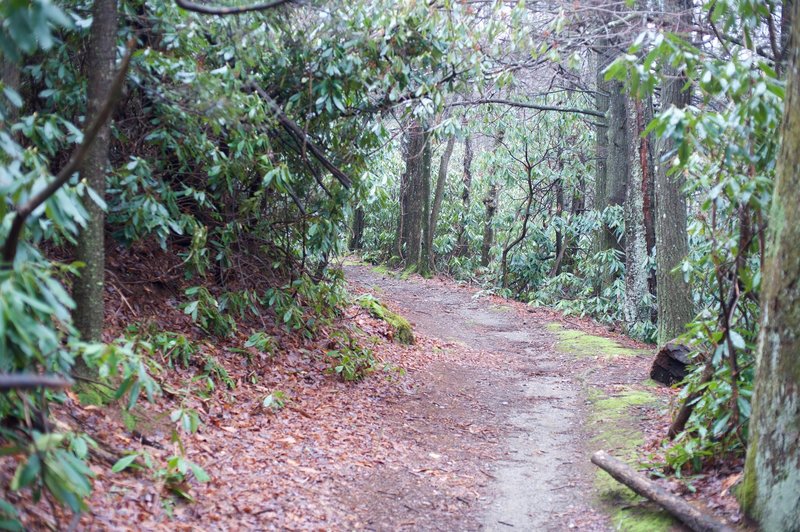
x,y
214,371
205,310
262,342
275,400
727,154
348,359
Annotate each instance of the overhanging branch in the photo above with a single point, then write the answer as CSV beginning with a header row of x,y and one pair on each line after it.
x,y
528,105
225,10
78,155
297,132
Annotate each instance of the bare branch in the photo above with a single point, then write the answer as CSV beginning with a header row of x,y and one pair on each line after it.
x,y
528,105
31,381
224,10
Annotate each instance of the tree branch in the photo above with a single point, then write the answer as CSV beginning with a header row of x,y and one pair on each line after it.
x,y
528,105
76,159
31,381
223,10
296,131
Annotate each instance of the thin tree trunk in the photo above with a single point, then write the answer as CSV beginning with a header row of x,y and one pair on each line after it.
x,y
89,286
441,180
523,232
770,491
425,250
490,202
461,241
560,245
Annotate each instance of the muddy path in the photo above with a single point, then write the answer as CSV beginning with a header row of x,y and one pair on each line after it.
x,y
503,415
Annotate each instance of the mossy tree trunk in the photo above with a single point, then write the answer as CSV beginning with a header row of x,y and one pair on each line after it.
x,y
674,300
89,287
770,493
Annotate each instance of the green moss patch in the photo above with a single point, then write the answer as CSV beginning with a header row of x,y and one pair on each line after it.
x,y
610,422
404,334
582,344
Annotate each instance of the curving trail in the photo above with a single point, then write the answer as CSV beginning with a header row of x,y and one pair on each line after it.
x,y
503,413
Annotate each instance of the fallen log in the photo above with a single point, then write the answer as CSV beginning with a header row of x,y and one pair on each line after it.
x,y
676,506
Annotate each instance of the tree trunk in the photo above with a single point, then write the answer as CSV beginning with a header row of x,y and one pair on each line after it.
x,y
560,244
490,201
488,231
602,58
441,180
425,250
461,241
358,229
636,271
411,208
89,287
11,79
674,299
770,492
617,161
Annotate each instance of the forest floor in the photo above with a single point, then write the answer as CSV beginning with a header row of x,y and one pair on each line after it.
x,y
487,422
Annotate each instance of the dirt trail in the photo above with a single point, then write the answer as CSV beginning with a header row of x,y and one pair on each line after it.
x,y
522,407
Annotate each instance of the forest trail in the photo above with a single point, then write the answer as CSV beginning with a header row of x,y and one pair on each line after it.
x,y
507,409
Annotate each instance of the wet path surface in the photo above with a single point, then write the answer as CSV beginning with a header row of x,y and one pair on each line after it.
x,y
519,389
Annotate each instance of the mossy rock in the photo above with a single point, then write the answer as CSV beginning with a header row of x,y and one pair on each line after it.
x,y
404,334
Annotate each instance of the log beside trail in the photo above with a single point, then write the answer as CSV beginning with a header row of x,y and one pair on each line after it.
x,y
676,506
671,363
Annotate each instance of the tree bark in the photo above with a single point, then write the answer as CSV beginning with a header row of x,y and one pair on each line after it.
x,y
89,286
436,208
356,240
673,296
770,492
427,237
602,58
461,241
11,79
490,202
411,208
636,271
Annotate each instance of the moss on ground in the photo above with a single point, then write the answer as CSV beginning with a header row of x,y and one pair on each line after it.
x,y
404,334
382,270
581,344
610,420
